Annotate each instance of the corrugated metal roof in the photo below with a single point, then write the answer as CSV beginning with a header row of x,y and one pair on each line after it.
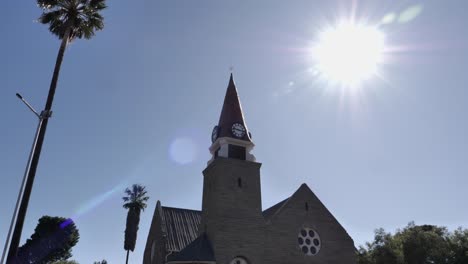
x,y
180,226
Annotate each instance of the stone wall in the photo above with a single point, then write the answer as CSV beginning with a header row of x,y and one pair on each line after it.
x,y
232,214
155,235
304,211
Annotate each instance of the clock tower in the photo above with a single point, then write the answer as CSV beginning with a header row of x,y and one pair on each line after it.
x,y
231,137
231,206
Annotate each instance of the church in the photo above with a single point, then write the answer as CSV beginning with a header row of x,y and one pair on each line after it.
x,y
232,227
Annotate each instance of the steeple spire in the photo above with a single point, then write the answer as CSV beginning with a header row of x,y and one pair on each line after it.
x,y
231,137
232,114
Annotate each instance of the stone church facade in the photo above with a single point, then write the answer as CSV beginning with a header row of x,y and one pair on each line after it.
x,y
232,228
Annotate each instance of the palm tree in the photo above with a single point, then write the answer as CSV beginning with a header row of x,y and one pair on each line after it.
x,y
68,20
135,202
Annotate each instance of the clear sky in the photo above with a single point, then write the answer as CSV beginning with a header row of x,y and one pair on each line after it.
x,y
137,104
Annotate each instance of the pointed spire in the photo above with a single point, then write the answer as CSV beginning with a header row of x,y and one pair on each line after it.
x,y
232,113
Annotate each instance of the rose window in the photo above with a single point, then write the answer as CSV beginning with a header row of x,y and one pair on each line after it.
x,y
309,241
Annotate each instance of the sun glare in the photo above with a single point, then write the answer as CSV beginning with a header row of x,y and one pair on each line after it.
x,y
349,53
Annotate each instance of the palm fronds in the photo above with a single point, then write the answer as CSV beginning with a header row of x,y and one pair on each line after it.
x,y
81,17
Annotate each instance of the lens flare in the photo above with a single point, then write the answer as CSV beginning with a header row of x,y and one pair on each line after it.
x,y
349,53
410,13
66,223
94,202
183,150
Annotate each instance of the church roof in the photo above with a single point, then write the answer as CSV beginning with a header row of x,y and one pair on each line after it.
x,y
267,213
180,227
270,212
199,250
231,113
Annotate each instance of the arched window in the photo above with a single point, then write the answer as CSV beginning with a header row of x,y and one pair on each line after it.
x,y
306,206
239,182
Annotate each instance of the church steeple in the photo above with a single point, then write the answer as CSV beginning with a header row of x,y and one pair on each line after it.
x,y
232,203
232,114
231,137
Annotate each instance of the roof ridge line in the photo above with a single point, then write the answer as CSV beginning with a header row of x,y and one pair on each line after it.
x,y
185,209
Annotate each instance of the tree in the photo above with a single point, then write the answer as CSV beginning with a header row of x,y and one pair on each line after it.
x,y
459,244
65,262
135,202
380,251
416,245
100,262
68,20
425,244
52,240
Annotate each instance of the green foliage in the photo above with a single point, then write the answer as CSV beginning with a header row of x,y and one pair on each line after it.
x,y
458,242
135,202
136,197
416,245
65,262
52,240
80,17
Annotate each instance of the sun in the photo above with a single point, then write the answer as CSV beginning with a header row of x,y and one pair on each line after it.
x,y
348,53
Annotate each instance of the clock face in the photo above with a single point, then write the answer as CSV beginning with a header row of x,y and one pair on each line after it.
x,y
214,134
238,260
238,130
309,241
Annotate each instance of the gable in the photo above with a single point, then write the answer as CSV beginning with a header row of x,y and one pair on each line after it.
x,y
304,203
301,228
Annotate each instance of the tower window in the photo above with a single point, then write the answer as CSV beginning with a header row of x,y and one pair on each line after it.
x,y
236,152
306,206
239,182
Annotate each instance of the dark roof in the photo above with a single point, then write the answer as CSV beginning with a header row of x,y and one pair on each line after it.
x,y
272,210
180,227
231,113
199,250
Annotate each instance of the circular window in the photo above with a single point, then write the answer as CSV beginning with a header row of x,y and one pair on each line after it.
x,y
238,260
309,241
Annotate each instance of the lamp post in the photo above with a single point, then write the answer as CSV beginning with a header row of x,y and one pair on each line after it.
x,y
22,201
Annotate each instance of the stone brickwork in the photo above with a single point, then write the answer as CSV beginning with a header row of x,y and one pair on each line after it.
x,y
304,210
156,236
233,220
299,230
231,211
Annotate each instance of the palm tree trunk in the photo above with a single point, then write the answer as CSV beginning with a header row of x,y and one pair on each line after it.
x,y
128,251
58,64
36,153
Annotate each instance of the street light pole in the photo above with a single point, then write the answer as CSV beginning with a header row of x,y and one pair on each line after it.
x,y
26,185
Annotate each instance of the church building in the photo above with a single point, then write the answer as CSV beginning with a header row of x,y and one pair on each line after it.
x,y
232,228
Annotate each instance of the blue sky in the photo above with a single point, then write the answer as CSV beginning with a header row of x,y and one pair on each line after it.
x,y
137,104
